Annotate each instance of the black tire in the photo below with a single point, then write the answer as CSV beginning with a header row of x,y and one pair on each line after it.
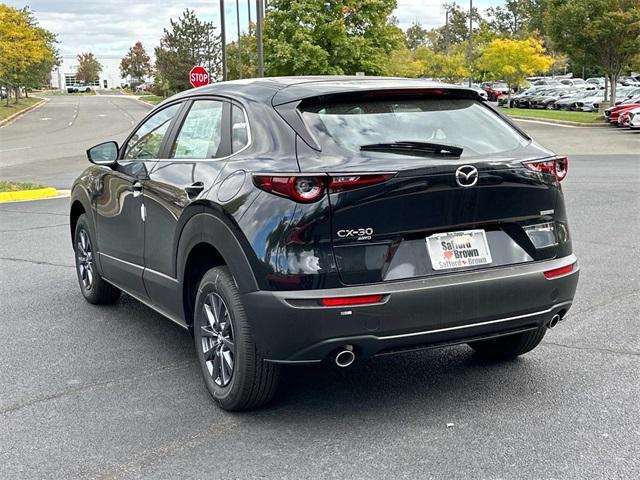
x,y
96,290
511,346
251,382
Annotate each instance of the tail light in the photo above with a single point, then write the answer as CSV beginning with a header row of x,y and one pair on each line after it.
x,y
311,188
558,167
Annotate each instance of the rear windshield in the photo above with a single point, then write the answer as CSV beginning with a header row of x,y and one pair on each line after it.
x,y
462,123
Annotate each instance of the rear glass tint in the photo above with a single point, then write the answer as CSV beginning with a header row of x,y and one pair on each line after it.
x,y
463,123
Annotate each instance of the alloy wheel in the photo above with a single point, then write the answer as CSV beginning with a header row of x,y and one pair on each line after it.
x,y
84,254
217,336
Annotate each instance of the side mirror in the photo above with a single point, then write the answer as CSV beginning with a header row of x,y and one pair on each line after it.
x,y
105,154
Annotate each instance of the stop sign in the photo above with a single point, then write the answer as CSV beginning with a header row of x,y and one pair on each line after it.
x,y
198,76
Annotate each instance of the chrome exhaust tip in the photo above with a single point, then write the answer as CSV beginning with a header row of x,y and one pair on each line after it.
x,y
554,321
345,356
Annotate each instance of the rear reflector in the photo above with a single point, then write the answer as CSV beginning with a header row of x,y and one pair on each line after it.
x,y
558,272
348,301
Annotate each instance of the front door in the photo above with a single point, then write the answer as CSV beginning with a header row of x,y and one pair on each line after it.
x,y
120,207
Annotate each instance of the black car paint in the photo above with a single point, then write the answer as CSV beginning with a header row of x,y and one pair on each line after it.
x,y
265,239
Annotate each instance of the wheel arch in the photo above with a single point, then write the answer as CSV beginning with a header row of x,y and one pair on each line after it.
x,y
208,241
80,204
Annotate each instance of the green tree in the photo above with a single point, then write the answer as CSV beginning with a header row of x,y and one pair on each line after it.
x,y
88,68
335,37
605,33
518,17
136,63
189,41
514,60
416,36
27,51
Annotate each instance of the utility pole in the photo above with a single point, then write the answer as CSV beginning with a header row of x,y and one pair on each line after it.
x,y
259,21
446,30
249,9
239,33
470,38
223,41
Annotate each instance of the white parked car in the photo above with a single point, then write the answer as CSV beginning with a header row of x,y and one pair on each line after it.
x,y
634,118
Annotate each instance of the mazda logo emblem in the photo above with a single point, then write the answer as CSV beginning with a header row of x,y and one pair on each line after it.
x,y
467,176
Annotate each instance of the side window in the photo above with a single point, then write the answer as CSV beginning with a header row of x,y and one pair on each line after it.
x,y
239,129
201,132
147,140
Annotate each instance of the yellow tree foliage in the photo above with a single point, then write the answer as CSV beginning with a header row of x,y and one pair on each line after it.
x,y
23,46
514,60
449,68
402,63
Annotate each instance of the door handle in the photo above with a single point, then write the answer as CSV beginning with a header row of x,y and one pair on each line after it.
x,y
194,189
137,189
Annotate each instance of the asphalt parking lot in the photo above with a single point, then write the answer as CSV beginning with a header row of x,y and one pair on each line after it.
x,y
115,392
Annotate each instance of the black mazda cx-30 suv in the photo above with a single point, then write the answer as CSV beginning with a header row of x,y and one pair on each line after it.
x,y
293,220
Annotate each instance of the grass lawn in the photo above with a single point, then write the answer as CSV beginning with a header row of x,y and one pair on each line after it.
x,y
152,99
582,117
17,186
15,107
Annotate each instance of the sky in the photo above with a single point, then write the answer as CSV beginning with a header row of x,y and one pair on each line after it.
x,y
110,27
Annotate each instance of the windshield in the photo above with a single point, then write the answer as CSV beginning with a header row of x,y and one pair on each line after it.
x,y
462,123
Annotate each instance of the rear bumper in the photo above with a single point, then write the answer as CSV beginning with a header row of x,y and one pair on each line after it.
x,y
291,327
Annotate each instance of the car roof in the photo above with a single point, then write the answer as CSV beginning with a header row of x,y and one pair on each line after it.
x,y
280,90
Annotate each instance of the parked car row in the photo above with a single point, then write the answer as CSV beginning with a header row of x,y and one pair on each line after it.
x,y
565,98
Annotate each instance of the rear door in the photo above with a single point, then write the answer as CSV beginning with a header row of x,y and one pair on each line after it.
x,y
193,158
481,199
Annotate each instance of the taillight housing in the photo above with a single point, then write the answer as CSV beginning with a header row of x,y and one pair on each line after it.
x,y
558,167
311,188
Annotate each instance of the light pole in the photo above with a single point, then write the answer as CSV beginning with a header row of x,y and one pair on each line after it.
x,y
239,51
470,38
223,41
259,20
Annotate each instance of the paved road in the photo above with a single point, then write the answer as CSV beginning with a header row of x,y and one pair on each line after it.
x,y
115,392
48,144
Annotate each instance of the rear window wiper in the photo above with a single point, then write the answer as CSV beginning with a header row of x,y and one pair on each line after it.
x,y
414,148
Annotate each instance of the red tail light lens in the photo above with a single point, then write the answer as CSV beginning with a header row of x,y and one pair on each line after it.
x,y
309,189
301,189
558,272
349,301
557,166
341,183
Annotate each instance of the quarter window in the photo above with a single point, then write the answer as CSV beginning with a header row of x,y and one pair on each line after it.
x,y
239,129
201,132
147,140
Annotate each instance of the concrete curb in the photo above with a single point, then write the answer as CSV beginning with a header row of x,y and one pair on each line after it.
x,y
22,195
15,116
59,194
558,122
134,97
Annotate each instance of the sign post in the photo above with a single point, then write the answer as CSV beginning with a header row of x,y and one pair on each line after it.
x,y
198,76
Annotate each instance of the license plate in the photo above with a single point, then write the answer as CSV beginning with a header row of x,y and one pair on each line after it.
x,y
458,249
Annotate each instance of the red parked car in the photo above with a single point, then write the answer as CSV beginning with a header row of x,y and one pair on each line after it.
x,y
495,90
612,114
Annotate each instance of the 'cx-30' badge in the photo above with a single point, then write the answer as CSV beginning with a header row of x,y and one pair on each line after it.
x,y
467,176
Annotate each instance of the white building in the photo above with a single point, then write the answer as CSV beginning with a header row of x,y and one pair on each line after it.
x,y
110,77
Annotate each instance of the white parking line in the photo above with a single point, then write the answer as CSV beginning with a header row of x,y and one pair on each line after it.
x,y
14,149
